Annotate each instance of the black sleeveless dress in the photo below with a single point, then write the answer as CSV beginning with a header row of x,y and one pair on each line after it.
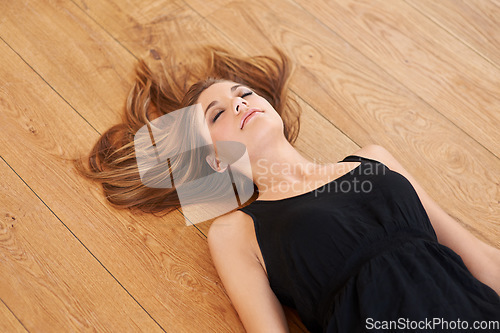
x,y
360,251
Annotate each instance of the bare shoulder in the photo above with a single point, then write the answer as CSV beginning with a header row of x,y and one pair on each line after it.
x,y
230,241
229,230
378,153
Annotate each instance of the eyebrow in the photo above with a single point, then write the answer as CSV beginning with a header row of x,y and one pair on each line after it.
x,y
233,88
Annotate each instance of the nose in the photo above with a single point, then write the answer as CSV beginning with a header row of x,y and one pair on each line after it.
x,y
240,103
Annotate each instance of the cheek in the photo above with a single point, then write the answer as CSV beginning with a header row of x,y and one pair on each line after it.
x,y
223,131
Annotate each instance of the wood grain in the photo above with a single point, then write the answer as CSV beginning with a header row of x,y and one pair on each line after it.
x,y
370,106
475,22
49,280
162,263
8,322
144,28
319,139
168,27
440,69
66,70
73,55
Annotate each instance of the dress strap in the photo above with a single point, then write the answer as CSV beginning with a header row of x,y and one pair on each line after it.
x,y
357,158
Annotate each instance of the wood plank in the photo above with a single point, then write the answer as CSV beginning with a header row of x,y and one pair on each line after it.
x,y
49,279
233,20
475,22
162,263
155,29
79,60
224,316
142,26
443,71
309,55
370,106
8,322
319,139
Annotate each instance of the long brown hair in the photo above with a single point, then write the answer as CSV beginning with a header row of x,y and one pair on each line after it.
x,y
112,161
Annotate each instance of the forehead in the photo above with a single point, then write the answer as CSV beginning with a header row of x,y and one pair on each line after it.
x,y
215,90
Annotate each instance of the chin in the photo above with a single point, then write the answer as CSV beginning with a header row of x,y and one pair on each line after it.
x,y
264,139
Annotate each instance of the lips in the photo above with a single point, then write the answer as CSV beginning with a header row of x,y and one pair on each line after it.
x,y
246,115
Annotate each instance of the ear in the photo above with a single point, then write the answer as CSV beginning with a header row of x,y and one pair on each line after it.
x,y
215,164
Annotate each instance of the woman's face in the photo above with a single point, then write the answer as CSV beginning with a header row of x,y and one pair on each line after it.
x,y
233,112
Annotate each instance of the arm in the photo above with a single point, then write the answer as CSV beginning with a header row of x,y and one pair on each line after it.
x,y
482,260
244,279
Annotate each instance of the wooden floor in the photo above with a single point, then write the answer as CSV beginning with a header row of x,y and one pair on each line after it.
x,y
419,77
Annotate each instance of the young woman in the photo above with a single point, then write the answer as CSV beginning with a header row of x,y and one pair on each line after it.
x,y
353,246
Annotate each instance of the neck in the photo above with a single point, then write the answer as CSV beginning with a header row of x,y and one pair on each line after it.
x,y
281,168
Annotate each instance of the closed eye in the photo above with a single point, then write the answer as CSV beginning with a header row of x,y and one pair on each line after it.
x,y
220,112
217,116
